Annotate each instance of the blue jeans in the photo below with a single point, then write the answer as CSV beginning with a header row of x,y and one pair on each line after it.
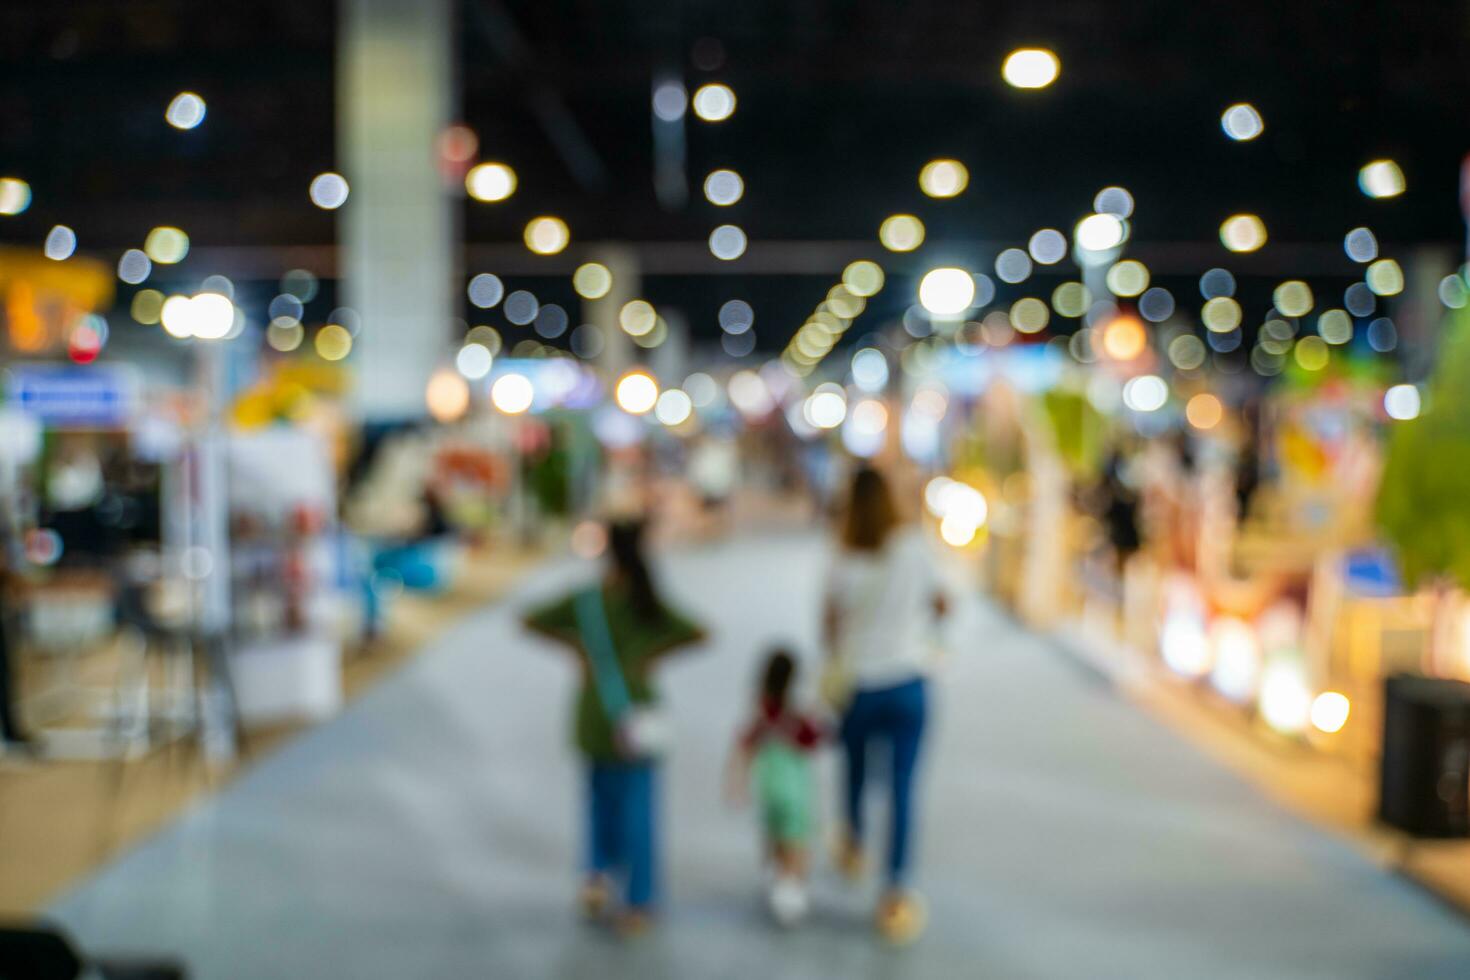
x,y
620,798
893,716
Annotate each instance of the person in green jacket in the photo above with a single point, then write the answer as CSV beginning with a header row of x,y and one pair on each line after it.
x,y
620,628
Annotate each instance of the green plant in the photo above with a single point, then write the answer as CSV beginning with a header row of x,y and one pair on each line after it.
x,y
1423,501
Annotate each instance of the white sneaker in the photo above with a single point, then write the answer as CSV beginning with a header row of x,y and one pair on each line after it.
x,y
788,901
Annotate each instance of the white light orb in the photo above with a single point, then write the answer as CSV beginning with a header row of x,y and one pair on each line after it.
x,y
1285,700
723,187
1242,122
474,361
1099,232
512,394
186,111
727,242
1330,712
1146,393
1031,68
825,408
1381,178
490,182
1402,402
636,393
947,291
714,102
61,243
673,407
329,191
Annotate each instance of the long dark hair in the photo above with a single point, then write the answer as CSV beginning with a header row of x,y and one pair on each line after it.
x,y
871,514
625,548
777,677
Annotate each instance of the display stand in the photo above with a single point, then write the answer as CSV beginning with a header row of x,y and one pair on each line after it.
x,y
286,649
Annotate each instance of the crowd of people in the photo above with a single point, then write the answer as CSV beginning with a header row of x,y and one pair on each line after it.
x,y
883,600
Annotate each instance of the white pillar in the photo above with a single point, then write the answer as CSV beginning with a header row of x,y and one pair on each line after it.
x,y
617,349
396,230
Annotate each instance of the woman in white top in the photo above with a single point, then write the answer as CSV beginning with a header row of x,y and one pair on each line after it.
x,y
883,603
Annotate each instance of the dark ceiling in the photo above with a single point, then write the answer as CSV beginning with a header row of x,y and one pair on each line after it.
x,y
840,103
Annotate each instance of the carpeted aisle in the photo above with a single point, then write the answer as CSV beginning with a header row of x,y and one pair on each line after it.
x,y
431,831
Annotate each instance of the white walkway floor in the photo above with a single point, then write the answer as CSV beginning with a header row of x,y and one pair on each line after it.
x,y
431,832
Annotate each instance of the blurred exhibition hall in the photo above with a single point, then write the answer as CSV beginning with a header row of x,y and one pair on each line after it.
x,y
689,488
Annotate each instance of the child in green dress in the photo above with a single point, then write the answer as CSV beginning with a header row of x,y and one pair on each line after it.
x,y
773,754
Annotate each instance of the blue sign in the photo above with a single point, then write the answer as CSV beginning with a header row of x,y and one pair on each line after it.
x,y
101,396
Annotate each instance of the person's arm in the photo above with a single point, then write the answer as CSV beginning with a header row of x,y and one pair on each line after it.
x,y
737,767
675,632
556,621
831,613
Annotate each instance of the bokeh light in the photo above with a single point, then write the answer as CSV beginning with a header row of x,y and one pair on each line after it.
x,y
723,187
1241,122
592,280
1381,178
447,395
1335,326
15,195
637,317
512,394
863,278
1013,266
1311,353
185,111
1385,278
1221,314
490,182
1113,200
1071,299
147,306
1146,393
1243,233
61,243
547,235
1124,338
1099,232
1156,304
333,342
1402,402
901,233
636,392
736,316
714,102
946,291
1029,315
1361,245
1330,711
166,245
329,191
1127,278
1031,68
474,361
727,242
670,100
1048,246
521,307
485,290
1293,298
1187,352
944,178
1204,411
673,407
134,266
